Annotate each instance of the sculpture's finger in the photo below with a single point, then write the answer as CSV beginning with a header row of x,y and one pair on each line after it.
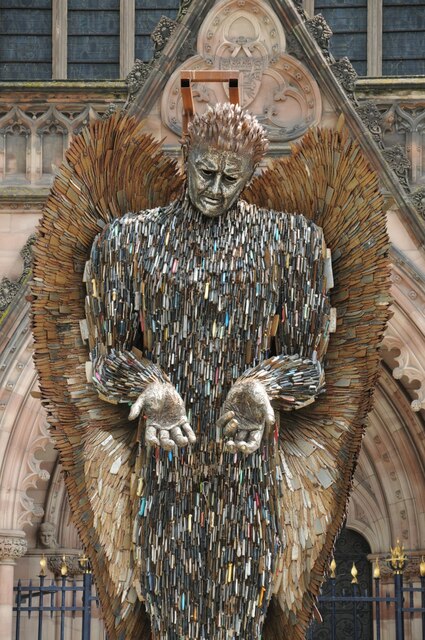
x,y
225,418
241,435
231,427
270,417
189,432
230,446
178,437
165,440
150,437
252,444
136,408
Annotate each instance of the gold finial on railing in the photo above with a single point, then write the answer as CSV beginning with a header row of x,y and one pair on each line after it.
x,y
376,570
64,567
422,567
354,573
43,564
398,558
333,568
84,563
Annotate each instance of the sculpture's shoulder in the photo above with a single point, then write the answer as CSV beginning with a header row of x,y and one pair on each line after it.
x,y
132,224
286,221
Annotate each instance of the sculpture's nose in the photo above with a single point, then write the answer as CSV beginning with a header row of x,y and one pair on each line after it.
x,y
216,185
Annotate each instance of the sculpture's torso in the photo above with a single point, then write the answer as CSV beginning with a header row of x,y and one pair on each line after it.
x,y
208,537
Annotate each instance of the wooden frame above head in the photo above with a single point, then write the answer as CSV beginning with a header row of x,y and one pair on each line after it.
x,y
186,79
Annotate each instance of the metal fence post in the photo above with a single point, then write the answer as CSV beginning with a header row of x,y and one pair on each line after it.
x,y
423,600
40,608
377,577
87,598
399,616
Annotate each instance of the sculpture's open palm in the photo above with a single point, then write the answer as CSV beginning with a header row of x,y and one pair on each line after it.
x,y
166,421
246,414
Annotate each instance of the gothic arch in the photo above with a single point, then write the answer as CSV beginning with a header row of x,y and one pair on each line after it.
x,y
388,500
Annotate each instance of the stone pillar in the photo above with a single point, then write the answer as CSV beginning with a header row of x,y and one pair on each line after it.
x,y
13,545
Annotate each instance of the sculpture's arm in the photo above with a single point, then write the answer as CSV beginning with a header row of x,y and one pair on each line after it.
x,y
300,331
118,371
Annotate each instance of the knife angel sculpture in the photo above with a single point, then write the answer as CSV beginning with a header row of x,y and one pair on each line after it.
x,y
209,317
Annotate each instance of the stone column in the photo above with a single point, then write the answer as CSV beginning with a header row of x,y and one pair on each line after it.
x,y
13,545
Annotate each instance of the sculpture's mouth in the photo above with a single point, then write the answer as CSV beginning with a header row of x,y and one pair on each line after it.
x,y
212,201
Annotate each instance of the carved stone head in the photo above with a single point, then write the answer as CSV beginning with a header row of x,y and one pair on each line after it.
x,y
46,535
222,149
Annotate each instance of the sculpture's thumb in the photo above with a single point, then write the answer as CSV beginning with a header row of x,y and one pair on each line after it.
x,y
136,408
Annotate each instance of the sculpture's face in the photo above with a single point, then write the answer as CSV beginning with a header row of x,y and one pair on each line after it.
x,y
215,178
46,536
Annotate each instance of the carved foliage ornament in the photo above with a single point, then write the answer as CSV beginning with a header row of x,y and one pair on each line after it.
x,y
12,547
345,74
400,164
418,200
8,288
321,32
56,564
372,118
161,34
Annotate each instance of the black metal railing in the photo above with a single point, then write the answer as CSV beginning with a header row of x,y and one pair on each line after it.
x,y
59,599
341,610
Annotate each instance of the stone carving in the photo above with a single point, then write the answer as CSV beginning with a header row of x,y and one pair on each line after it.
x,y
372,118
277,88
409,366
47,535
56,563
400,164
417,198
161,34
39,158
111,109
322,33
8,288
300,8
184,8
12,546
346,75
136,79
29,509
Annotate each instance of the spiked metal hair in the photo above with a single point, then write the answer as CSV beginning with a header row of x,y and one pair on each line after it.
x,y
228,127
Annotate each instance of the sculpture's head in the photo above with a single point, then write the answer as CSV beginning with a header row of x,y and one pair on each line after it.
x,y
222,148
46,534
